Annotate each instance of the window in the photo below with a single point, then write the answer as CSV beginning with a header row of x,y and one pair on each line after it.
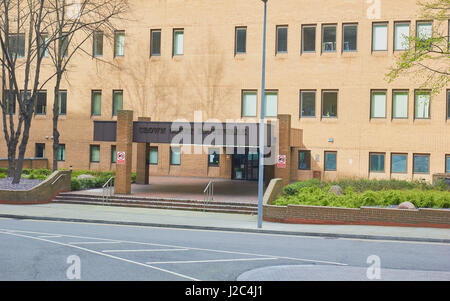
x,y
282,34
271,104
400,104
175,156
119,43
378,104
401,36
424,30
241,40
304,160
117,102
96,103
308,104
62,102
61,155
16,45
153,155
448,104
329,38
309,38
95,154
422,105
113,154
376,162
329,104
421,163
350,37
155,42
249,103
41,103
380,37
64,44
10,102
399,163
330,161
98,44
39,150
447,163
43,42
178,42
213,157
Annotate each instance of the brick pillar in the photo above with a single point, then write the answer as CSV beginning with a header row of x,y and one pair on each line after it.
x,y
124,144
284,140
142,169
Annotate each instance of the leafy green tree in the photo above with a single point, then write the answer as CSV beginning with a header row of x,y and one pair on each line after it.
x,y
427,54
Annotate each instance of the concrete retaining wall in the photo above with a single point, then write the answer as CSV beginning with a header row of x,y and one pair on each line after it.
x,y
299,214
59,181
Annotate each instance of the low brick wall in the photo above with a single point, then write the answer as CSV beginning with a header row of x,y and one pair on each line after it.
x,y
45,192
32,163
299,214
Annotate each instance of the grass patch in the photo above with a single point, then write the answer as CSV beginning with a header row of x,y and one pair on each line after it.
x,y
364,192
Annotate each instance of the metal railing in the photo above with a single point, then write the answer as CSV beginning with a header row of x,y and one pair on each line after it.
x,y
107,190
208,194
57,179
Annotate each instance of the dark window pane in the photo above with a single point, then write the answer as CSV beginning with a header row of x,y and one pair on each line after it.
x,y
62,102
95,153
309,39
40,150
330,161
350,37
96,106
156,42
282,39
61,155
117,102
17,45
241,40
98,44
308,105
153,156
448,104
329,39
175,156
214,157
377,162
304,160
113,154
41,103
421,163
447,164
399,163
329,105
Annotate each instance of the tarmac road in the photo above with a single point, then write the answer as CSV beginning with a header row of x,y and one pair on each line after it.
x,y
50,250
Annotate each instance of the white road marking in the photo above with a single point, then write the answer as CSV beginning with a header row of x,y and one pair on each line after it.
x,y
201,249
213,260
93,242
144,250
50,236
100,253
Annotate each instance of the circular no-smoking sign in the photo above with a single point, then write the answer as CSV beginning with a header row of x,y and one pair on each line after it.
x,y
120,157
281,161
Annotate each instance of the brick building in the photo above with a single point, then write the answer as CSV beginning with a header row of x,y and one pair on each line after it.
x,y
326,66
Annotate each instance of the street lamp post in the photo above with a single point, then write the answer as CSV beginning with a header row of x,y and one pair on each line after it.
x,y
261,126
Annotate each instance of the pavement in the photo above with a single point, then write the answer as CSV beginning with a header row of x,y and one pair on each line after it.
x,y
214,221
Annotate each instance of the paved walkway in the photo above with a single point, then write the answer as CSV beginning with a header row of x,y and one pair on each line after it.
x,y
190,188
218,221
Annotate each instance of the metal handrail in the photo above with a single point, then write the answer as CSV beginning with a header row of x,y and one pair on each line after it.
x,y
57,179
107,187
208,194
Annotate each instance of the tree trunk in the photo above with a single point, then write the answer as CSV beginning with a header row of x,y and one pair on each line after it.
x,y
55,123
11,159
22,149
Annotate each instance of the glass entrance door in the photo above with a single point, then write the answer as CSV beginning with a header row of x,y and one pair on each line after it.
x,y
245,166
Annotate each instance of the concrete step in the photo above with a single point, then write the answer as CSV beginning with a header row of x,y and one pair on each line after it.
x,y
145,199
160,205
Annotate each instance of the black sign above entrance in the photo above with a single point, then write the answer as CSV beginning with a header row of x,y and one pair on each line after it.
x,y
187,133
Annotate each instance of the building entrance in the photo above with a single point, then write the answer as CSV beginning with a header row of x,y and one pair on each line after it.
x,y
245,166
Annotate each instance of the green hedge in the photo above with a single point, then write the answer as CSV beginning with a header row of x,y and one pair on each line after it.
x,y
357,193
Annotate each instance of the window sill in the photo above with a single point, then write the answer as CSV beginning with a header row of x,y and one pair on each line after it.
x,y
380,53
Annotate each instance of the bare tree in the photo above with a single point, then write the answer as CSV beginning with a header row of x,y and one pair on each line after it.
x,y
20,21
67,25
73,24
